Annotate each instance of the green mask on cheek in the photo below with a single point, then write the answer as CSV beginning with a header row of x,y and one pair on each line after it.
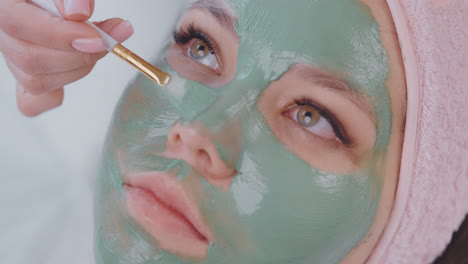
x,y
279,209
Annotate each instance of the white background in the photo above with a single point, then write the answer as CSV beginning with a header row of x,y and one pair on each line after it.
x,y
47,164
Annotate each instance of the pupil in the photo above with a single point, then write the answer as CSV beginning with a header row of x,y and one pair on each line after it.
x,y
201,50
198,50
308,116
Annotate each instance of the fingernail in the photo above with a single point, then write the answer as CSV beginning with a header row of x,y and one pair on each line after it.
x,y
88,45
77,7
122,31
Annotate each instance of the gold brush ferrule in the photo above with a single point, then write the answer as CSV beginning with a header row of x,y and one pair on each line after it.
x,y
155,74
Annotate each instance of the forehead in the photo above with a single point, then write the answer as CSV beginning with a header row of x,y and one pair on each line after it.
x,y
313,28
339,36
285,8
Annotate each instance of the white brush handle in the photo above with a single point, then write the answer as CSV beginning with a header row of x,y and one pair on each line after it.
x,y
109,42
49,6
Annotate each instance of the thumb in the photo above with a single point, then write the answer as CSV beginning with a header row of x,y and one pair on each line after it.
x,y
76,10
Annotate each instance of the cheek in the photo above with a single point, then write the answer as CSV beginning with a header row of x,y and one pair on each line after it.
x,y
283,199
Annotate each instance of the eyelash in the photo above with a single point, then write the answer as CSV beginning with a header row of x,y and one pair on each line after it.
x,y
337,128
185,35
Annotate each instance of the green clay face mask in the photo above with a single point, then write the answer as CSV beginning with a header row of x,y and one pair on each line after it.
x,y
257,166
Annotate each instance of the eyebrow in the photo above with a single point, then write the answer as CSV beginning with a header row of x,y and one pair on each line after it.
x,y
221,11
327,80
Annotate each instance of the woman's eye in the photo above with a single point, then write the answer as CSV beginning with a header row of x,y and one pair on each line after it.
x,y
200,51
313,121
308,116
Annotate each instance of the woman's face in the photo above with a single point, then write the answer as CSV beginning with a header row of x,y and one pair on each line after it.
x,y
270,145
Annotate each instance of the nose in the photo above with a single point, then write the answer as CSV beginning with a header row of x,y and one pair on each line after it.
x,y
193,144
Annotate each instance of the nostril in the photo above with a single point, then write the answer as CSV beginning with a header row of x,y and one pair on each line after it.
x,y
177,138
194,145
204,158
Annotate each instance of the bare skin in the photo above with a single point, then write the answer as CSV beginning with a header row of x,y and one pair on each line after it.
x,y
55,60
348,160
397,91
45,53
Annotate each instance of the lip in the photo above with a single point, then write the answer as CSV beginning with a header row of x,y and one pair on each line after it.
x,y
160,204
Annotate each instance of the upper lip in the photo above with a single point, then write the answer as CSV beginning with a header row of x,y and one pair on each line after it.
x,y
168,190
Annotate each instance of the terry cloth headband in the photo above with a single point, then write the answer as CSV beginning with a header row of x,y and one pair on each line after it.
x,y
432,194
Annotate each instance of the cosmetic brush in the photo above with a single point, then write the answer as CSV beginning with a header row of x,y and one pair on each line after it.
x,y
113,46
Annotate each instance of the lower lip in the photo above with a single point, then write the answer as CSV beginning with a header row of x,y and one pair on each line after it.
x,y
171,230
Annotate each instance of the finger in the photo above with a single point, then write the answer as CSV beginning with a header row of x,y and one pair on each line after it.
x,y
26,22
34,60
117,28
33,105
77,10
44,83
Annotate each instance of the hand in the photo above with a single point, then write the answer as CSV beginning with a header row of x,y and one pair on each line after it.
x,y
45,52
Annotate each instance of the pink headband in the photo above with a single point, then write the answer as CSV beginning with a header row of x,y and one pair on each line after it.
x,y
432,194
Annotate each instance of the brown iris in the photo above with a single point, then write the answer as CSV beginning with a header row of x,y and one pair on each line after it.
x,y
308,116
199,50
